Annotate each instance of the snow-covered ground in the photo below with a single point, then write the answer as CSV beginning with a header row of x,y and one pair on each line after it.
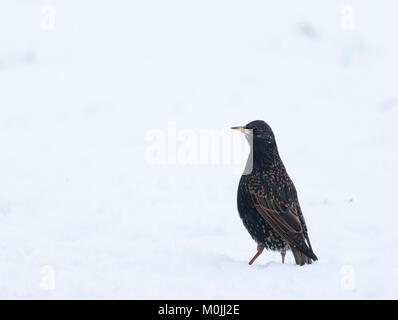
x,y
85,214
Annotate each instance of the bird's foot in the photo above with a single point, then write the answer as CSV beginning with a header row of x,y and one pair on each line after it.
x,y
283,254
260,250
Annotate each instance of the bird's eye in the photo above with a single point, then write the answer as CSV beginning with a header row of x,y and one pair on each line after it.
x,y
257,132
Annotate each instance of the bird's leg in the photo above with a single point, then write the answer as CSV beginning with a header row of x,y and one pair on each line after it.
x,y
260,249
283,254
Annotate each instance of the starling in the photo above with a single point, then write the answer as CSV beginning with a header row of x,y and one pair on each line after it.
x,y
267,199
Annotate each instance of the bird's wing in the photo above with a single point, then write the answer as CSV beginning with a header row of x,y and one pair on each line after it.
x,y
286,220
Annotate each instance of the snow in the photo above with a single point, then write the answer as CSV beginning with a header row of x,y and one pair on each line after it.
x,y
84,214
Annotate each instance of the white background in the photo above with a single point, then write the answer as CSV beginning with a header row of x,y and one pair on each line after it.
x,y
80,203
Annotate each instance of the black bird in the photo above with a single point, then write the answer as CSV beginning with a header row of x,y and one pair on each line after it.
x,y
267,199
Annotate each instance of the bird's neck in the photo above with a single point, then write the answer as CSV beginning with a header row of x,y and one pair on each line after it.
x,y
265,158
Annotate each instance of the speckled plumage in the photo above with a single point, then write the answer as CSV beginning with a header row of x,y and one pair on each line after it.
x,y
267,199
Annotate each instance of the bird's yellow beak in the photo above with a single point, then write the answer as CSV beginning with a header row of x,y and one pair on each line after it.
x,y
241,129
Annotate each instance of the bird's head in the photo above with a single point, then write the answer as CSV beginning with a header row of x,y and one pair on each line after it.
x,y
259,132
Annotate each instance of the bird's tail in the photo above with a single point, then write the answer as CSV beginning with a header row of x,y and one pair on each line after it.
x,y
301,258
